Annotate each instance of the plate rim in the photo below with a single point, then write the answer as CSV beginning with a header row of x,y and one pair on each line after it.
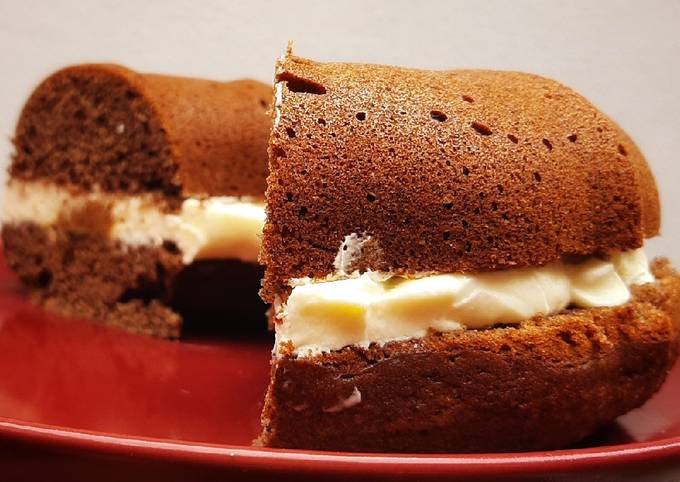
x,y
310,461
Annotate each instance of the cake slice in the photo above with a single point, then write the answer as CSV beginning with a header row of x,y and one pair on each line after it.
x,y
456,263
136,200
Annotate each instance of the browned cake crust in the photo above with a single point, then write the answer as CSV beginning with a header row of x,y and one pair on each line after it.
x,y
447,171
544,384
146,290
106,125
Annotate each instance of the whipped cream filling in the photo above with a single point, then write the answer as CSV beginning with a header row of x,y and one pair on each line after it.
x,y
324,315
215,227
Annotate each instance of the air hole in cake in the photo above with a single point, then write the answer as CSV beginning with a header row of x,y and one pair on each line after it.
x,y
44,278
371,197
446,235
290,132
146,292
591,334
513,139
31,132
567,338
361,116
170,246
466,171
79,114
278,151
160,272
481,129
469,99
505,216
465,224
321,121
537,176
300,85
494,206
289,196
302,212
572,138
438,115
447,205
263,103
547,144
599,129
468,246
622,150
500,189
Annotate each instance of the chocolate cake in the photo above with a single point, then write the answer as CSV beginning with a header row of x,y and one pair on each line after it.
x,y
456,263
131,196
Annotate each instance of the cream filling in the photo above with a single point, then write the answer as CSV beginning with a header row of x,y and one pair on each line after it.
x,y
320,316
215,227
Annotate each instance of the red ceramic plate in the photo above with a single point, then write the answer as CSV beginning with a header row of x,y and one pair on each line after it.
x,y
82,402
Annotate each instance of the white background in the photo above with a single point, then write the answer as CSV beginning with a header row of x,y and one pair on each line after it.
x,y
623,55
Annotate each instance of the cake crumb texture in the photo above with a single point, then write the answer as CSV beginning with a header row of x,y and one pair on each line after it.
x,y
544,384
142,289
456,171
108,127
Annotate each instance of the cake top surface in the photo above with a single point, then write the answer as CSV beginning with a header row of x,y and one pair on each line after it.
x,y
443,171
